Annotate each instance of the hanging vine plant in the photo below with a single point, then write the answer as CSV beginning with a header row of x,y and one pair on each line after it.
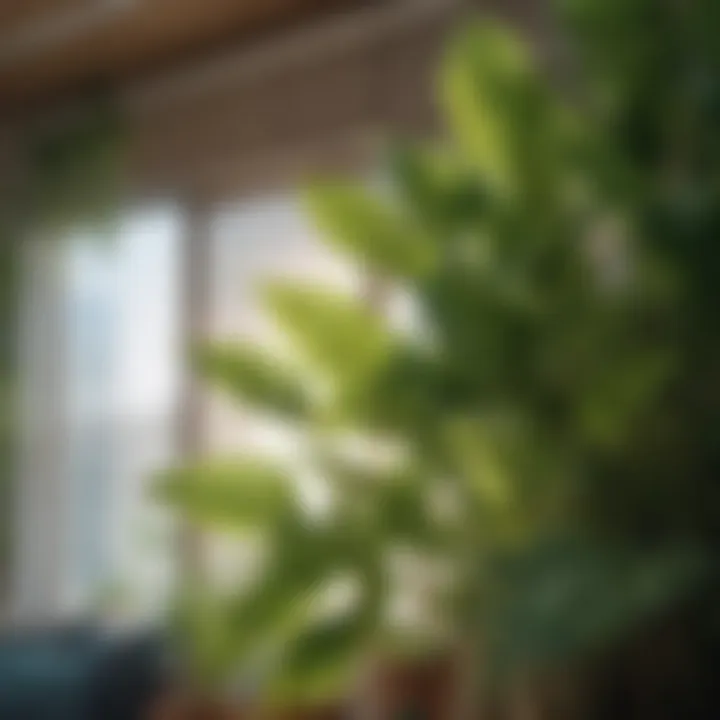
x,y
76,169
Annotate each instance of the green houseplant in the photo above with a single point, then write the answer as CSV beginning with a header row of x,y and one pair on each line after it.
x,y
548,425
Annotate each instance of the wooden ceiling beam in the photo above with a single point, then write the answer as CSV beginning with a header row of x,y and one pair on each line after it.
x,y
61,25
61,54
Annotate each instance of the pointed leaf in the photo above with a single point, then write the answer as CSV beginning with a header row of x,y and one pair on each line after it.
x,y
333,331
373,232
394,503
255,377
278,609
234,494
320,661
438,188
323,661
271,611
494,104
478,454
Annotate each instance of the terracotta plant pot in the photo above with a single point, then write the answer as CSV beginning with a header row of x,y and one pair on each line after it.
x,y
419,688
305,714
176,706
422,688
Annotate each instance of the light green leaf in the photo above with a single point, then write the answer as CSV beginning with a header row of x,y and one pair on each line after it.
x,y
279,612
255,377
370,230
478,453
323,660
335,332
271,612
494,104
235,494
231,634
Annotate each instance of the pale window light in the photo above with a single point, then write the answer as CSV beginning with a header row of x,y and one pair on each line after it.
x,y
116,378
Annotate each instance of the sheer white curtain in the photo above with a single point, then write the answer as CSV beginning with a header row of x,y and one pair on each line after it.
x,y
100,387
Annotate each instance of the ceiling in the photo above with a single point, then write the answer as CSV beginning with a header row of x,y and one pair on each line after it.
x,y
52,50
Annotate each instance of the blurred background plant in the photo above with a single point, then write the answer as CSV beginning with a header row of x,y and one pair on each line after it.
x,y
543,442
72,179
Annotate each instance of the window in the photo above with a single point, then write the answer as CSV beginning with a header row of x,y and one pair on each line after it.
x,y
101,335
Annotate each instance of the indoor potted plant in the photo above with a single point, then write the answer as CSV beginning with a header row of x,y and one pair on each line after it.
x,y
558,281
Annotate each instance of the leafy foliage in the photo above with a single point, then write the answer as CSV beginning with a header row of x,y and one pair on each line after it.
x,y
561,397
358,223
255,377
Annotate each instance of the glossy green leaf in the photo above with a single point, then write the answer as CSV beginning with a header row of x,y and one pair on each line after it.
x,y
372,231
495,104
567,596
235,494
335,332
439,189
255,377
323,661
